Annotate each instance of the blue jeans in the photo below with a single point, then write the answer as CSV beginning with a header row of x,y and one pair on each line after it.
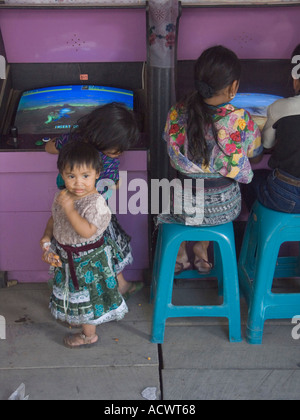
x,y
273,192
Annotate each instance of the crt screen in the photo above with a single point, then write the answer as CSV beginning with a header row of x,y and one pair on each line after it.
x,y
56,109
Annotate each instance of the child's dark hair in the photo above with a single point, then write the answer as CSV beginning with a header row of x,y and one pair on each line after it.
x,y
79,153
216,68
112,126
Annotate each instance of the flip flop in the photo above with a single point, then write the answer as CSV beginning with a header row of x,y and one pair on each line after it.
x,y
202,270
182,268
135,288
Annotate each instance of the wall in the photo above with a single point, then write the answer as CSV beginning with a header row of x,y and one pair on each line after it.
x,y
261,32
110,35
42,36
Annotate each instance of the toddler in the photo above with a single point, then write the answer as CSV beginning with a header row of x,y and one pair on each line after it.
x,y
85,290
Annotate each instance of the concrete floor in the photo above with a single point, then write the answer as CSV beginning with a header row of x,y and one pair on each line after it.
x,y
196,361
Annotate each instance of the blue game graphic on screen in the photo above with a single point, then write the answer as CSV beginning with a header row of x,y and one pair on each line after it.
x,y
55,110
255,103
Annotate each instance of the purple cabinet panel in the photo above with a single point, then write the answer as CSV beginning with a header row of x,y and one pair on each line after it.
x,y
261,32
66,36
114,35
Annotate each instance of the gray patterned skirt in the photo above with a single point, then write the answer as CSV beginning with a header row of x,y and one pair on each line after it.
x,y
215,201
116,233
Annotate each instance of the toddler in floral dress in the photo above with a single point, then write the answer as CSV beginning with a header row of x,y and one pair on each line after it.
x,y
85,289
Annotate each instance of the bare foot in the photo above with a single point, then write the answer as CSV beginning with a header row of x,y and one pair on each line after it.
x,y
201,257
182,260
124,286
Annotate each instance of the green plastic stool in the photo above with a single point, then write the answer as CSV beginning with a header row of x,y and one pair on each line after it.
x,y
259,264
170,236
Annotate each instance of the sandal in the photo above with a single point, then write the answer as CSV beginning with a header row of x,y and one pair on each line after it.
x,y
135,287
72,341
181,268
198,264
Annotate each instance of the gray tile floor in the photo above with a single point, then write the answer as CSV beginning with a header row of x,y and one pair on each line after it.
x,y
196,361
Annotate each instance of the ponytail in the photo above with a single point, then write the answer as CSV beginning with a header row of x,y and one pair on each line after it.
x,y
199,117
216,68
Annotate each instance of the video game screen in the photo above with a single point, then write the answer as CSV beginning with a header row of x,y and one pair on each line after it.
x,y
255,103
54,110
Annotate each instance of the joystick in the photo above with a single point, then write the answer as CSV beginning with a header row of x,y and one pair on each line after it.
x,y
39,143
42,142
14,137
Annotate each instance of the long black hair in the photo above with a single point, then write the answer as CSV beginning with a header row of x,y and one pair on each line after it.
x,y
216,68
111,126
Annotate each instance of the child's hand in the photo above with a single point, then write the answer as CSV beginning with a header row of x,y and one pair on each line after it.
x,y
51,258
65,200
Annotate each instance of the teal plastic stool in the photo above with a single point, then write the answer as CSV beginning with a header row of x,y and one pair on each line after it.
x,y
259,264
170,236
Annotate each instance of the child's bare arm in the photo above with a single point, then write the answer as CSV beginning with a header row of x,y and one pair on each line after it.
x,y
48,256
48,233
51,148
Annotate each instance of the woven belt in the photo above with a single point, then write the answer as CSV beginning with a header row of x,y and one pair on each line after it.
x,y
217,182
75,250
287,179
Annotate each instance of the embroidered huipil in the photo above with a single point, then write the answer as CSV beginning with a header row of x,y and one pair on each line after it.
x,y
238,140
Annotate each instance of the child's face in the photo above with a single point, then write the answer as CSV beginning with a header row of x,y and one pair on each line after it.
x,y
112,153
81,180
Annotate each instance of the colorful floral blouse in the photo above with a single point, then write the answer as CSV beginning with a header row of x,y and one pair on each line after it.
x,y
238,140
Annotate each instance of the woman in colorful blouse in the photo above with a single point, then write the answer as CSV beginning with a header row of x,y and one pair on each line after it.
x,y
208,138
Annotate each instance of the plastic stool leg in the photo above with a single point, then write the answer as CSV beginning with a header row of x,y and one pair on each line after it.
x,y
218,267
166,256
267,251
231,289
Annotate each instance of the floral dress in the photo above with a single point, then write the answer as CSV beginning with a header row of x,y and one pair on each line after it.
x,y
85,288
238,140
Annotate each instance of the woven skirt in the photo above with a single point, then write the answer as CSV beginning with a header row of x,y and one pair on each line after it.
x,y
118,235
97,299
219,204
